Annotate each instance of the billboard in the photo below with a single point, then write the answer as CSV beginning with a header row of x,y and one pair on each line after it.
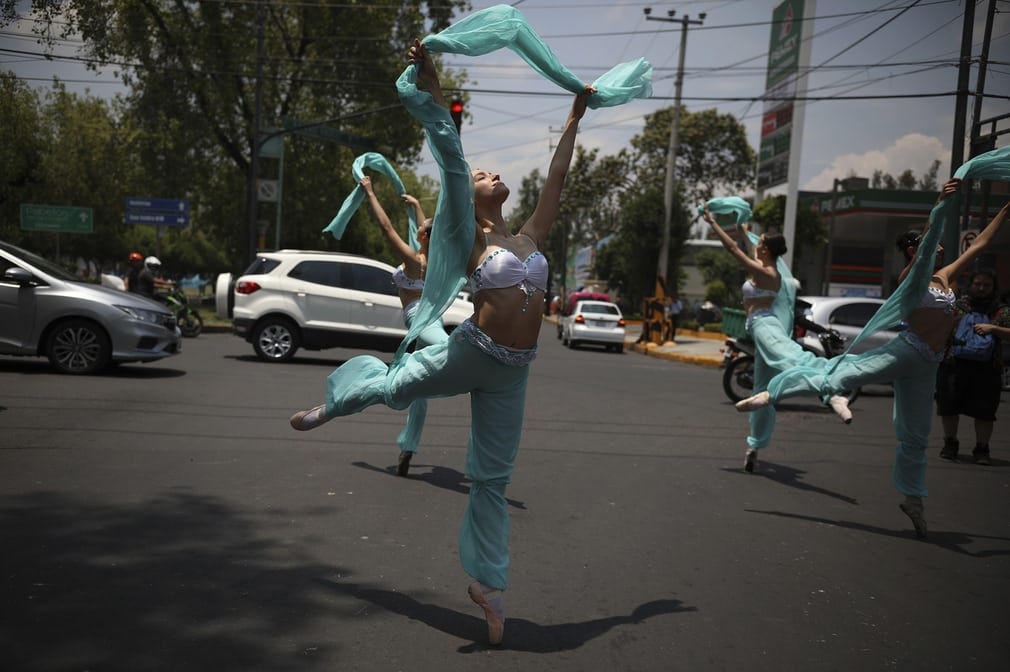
x,y
780,82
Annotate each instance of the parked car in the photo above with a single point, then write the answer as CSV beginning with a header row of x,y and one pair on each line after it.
x,y
573,298
598,322
292,299
847,316
80,326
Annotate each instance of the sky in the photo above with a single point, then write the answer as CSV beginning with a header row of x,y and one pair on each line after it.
x,y
867,47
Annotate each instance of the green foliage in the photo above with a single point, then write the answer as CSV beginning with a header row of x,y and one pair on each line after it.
x,y
811,229
722,276
186,127
906,179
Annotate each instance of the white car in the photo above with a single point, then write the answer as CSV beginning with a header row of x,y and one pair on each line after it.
x,y
293,299
598,322
847,316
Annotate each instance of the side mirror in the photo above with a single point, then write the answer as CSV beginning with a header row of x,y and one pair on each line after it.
x,y
18,275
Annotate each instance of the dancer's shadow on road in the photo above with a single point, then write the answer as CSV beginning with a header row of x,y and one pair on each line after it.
x,y
952,541
790,476
440,477
520,634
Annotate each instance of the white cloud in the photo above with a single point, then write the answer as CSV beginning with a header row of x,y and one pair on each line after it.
x,y
914,150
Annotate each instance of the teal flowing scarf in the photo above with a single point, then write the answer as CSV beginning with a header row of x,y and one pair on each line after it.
x,y
376,162
454,223
994,165
502,26
783,306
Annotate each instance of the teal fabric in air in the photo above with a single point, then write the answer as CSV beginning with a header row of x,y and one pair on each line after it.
x,y
502,26
784,305
376,162
454,223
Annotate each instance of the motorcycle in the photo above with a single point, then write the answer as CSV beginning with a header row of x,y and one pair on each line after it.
x,y
738,362
189,321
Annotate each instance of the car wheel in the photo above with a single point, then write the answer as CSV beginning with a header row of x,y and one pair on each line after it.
x,y
559,331
276,340
78,347
619,348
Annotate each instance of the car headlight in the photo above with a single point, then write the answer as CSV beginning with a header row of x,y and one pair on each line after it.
x,y
152,316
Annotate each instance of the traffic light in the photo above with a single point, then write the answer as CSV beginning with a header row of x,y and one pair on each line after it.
x,y
456,110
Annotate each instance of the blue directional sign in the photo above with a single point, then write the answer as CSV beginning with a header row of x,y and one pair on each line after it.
x,y
157,218
136,203
157,211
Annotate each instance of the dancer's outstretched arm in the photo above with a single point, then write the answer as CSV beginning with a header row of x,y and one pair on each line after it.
x,y
949,189
748,262
413,262
956,267
539,224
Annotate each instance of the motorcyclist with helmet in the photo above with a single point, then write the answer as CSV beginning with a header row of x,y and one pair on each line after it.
x,y
143,277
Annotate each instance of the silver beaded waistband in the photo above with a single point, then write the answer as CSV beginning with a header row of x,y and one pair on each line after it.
x,y
508,356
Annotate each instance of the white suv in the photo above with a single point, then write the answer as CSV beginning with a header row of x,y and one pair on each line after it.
x,y
293,299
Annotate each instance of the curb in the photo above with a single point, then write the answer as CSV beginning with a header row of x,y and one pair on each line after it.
x,y
676,356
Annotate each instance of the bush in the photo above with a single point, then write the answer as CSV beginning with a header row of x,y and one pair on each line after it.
x,y
713,326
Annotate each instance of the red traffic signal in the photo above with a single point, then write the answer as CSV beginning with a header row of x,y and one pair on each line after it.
x,y
456,110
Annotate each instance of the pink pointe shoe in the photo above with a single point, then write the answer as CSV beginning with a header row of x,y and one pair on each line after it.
x,y
759,400
493,604
840,405
310,419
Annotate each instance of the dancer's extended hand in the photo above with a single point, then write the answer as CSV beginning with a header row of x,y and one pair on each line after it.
x,y
950,187
366,184
409,200
579,104
418,55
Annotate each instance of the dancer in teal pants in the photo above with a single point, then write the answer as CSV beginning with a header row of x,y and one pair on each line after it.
x,y
769,299
487,356
909,360
409,281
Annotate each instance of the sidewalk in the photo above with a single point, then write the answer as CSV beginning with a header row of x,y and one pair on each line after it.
x,y
693,347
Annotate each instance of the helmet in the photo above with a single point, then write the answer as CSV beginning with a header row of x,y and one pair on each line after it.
x,y
135,256
152,263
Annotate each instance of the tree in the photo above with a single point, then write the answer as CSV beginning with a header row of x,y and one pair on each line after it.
x,y
191,68
811,229
722,275
628,261
713,154
907,180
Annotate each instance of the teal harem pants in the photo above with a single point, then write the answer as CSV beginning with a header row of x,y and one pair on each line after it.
x,y
914,379
410,436
774,352
497,400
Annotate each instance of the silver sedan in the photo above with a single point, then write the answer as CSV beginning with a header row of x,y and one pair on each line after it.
x,y
81,327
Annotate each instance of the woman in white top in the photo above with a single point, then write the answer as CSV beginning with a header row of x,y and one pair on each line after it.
x,y
487,356
775,349
409,281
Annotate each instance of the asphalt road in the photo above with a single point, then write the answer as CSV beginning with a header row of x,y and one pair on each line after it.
x,y
165,517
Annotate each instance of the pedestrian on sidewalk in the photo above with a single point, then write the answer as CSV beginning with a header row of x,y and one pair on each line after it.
x,y
970,380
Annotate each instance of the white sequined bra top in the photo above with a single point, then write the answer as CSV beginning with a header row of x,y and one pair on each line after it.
x,y
503,268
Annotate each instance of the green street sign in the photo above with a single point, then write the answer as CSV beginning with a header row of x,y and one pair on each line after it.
x,y
56,218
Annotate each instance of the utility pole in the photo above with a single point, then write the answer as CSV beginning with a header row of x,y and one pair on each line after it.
x,y
251,187
671,152
951,238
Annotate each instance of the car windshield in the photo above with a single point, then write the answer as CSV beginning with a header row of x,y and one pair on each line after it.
x,y
599,308
38,262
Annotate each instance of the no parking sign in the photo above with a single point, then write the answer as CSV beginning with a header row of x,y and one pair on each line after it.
x,y
967,238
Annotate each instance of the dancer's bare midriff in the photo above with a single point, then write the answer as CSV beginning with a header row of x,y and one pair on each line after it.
x,y
499,314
